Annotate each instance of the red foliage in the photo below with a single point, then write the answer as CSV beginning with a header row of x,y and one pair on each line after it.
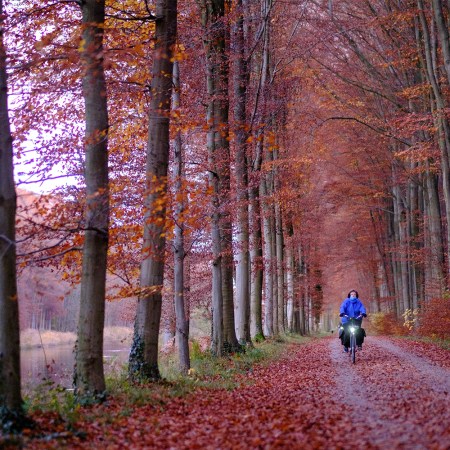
x,y
385,324
434,318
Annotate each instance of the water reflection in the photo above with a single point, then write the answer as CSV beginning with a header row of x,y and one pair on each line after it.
x,y
57,362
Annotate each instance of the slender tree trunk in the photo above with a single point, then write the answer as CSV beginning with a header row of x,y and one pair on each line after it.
x,y
268,266
256,258
182,330
414,245
213,20
403,247
230,342
241,171
89,378
257,205
187,287
273,269
290,286
443,35
400,307
301,267
280,268
11,410
440,117
433,234
143,361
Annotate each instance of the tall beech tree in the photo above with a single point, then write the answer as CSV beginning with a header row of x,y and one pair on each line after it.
x,y
143,362
182,323
440,117
241,79
10,397
216,35
443,33
89,376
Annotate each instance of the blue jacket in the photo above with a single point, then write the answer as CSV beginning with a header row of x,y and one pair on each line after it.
x,y
351,307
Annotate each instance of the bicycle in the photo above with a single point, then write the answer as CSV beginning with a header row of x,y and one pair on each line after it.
x,y
353,328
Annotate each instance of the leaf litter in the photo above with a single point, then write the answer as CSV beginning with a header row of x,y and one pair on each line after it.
x,y
394,397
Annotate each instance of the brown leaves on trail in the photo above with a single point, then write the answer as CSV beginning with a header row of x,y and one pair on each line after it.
x,y
431,351
312,398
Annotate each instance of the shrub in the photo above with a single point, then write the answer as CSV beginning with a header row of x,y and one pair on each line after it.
x,y
410,319
434,318
385,323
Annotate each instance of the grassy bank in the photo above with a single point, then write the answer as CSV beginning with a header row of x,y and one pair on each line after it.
x,y
31,338
206,372
443,343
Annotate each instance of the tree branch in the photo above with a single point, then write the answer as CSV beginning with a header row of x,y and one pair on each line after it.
x,y
376,129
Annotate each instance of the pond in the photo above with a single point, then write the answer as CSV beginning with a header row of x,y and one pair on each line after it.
x,y
55,363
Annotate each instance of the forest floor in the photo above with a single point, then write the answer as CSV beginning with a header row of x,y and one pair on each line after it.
x,y
396,396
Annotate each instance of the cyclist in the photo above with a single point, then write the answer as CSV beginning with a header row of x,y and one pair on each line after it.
x,y
352,307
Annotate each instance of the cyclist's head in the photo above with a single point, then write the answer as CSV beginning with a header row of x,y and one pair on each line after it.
x,y
355,294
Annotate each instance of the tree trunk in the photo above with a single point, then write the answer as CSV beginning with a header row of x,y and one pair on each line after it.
x,y
443,35
290,286
230,342
440,117
268,272
10,397
414,245
280,268
256,258
433,236
182,330
89,380
216,34
242,257
143,361
273,268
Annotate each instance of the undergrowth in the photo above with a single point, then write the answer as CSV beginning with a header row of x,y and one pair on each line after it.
x,y
443,343
207,372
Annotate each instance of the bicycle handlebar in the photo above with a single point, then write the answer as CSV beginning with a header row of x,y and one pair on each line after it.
x,y
357,318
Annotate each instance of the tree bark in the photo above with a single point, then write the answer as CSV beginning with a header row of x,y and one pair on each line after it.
x,y
268,262
182,328
241,172
143,361
256,258
230,341
280,268
217,67
433,235
273,266
290,286
443,35
440,117
89,378
11,410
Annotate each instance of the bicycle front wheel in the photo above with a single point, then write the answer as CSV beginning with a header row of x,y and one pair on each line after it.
x,y
353,348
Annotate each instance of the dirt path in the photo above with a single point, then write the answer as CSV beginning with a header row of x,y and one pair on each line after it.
x,y
314,398
399,399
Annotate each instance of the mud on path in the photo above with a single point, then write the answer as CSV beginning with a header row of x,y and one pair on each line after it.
x,y
313,398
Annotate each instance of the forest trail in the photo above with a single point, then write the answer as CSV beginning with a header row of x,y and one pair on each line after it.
x,y
312,398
